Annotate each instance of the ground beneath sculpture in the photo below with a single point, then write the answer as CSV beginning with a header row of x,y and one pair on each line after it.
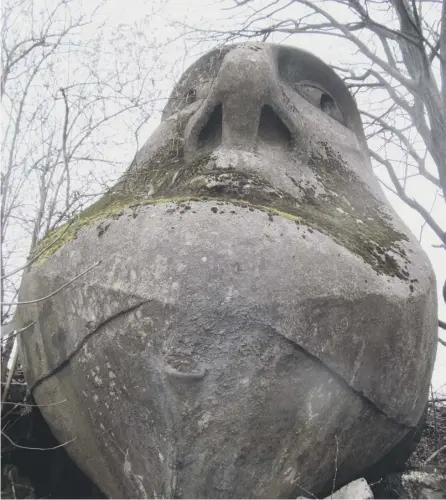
x,y
31,473
52,474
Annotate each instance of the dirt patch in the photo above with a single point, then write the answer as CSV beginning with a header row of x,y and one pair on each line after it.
x,y
428,459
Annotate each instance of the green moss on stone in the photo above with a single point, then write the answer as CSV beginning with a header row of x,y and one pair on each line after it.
x,y
347,211
67,232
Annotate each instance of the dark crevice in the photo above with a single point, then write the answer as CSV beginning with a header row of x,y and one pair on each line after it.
x,y
30,467
211,134
368,402
59,366
272,130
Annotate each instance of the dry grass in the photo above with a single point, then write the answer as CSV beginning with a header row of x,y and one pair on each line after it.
x,y
432,440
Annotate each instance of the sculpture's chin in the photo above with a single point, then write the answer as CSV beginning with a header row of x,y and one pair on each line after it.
x,y
260,410
249,324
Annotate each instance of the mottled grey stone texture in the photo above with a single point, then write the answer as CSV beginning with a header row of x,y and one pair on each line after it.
x,y
261,316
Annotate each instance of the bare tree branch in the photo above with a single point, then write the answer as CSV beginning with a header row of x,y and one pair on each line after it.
x,y
29,405
410,201
407,144
16,445
5,338
38,254
400,75
55,291
69,105
434,454
10,374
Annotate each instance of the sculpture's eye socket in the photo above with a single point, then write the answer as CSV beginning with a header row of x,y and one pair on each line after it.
x,y
190,96
321,100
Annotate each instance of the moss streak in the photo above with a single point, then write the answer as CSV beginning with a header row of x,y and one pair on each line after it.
x,y
347,212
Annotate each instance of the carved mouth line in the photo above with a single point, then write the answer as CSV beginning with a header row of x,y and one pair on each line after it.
x,y
343,382
185,375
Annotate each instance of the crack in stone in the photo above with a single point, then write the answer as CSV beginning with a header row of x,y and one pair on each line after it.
x,y
56,369
65,362
343,382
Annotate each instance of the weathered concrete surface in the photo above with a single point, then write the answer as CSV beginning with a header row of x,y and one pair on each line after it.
x,y
259,314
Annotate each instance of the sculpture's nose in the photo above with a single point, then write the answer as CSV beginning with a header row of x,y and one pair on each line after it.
x,y
243,87
243,95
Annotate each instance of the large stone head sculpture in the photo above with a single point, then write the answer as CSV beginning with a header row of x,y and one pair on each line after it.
x,y
261,317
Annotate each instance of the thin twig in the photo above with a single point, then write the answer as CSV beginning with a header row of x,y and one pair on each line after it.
x,y
29,262
336,466
37,449
55,291
12,335
434,454
434,414
306,491
66,158
6,414
11,480
10,373
34,406
8,424
26,405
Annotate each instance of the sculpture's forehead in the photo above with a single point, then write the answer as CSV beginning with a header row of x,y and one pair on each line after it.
x,y
291,66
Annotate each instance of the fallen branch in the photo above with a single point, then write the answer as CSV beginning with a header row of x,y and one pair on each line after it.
x,y
434,454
